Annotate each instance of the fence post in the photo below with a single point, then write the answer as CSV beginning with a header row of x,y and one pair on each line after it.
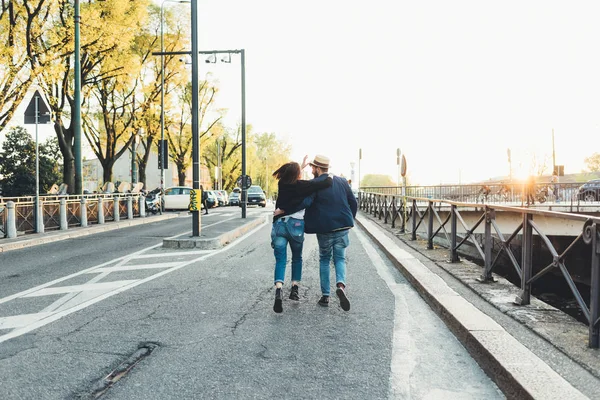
x,y
394,212
453,235
142,206
116,212
486,277
11,221
594,335
129,207
430,226
83,212
526,261
414,220
385,209
39,224
100,210
64,225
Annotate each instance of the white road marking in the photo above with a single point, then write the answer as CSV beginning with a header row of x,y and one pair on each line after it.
x,y
81,288
136,267
90,293
21,320
175,254
404,351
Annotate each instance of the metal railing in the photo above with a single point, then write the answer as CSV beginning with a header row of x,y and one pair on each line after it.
x,y
63,212
409,212
540,195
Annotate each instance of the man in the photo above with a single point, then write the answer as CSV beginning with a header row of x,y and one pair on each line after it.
x,y
204,199
331,216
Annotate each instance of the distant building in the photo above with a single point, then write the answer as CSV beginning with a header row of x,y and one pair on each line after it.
x,y
93,172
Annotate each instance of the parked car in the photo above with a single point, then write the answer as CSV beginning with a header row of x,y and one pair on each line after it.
x,y
177,198
212,200
234,199
225,196
220,198
589,191
256,196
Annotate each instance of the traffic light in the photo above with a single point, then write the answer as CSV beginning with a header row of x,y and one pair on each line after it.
x,y
162,144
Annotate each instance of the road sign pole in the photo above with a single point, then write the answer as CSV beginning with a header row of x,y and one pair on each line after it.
x,y
37,166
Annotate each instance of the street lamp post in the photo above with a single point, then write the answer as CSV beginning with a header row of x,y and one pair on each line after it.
x,y
76,119
194,54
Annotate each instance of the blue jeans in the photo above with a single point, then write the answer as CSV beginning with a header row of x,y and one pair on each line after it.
x,y
290,231
332,243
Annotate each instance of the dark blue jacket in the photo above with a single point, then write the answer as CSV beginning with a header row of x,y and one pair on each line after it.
x,y
333,208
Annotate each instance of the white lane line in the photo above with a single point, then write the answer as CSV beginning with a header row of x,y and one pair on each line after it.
x,y
175,254
135,267
58,315
81,288
85,271
404,351
21,320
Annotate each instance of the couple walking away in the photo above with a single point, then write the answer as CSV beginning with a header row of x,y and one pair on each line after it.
x,y
324,205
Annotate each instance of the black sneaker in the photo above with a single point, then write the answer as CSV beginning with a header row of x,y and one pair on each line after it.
x,y
344,302
294,293
278,306
324,301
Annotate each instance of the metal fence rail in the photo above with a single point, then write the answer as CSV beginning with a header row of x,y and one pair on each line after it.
x,y
516,194
51,214
410,212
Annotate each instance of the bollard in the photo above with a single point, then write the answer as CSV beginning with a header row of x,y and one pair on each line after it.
x,y
63,215
39,228
142,206
83,213
100,210
11,221
129,207
116,215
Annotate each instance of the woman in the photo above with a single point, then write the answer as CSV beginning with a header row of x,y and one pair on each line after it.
x,y
294,195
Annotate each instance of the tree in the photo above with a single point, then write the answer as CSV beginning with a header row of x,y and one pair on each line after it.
x,y
17,164
25,51
376,180
97,43
180,138
149,79
593,162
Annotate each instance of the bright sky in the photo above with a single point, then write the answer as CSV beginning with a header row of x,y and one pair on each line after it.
x,y
453,84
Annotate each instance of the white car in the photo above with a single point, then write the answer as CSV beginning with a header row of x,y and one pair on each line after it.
x,y
177,198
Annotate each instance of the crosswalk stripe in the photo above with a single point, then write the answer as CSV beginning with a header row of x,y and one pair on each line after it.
x,y
21,320
81,288
135,267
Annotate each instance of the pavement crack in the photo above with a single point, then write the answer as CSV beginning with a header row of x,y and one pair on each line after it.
x,y
250,309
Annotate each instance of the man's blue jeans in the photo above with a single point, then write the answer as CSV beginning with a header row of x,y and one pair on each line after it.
x,y
289,231
332,243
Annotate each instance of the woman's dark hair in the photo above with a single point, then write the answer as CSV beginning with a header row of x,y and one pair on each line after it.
x,y
288,173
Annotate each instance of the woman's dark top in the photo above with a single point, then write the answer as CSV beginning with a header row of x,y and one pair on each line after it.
x,y
292,195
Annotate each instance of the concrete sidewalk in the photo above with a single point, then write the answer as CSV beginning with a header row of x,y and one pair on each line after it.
x,y
219,235
517,370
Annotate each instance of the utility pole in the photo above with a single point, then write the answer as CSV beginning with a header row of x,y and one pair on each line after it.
x,y
553,154
76,119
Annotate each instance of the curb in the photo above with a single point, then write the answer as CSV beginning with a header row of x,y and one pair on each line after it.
x,y
55,236
517,371
212,243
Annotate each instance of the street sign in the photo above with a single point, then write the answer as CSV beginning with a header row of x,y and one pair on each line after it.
x,y
43,110
163,144
403,166
248,182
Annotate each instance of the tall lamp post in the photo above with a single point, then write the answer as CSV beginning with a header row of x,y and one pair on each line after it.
x,y
196,146
76,119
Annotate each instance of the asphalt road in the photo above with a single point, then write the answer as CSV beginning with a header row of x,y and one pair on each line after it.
x,y
116,314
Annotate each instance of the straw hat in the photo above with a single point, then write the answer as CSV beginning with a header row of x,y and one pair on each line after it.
x,y
320,161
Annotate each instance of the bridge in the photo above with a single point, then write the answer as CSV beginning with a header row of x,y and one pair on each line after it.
x,y
113,312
